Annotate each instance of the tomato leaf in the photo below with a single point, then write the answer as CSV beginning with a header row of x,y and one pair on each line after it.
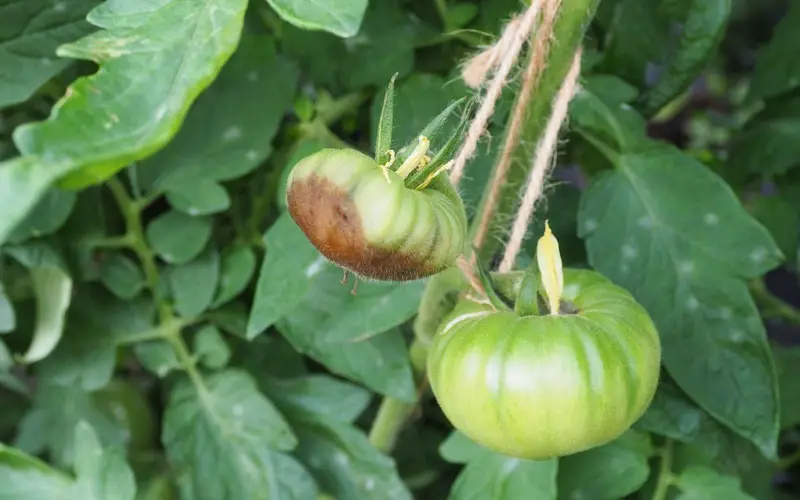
x,y
769,143
210,347
614,470
228,131
340,17
320,395
33,30
49,215
787,360
290,265
25,476
696,253
704,482
157,356
201,197
338,454
8,318
103,474
236,270
777,69
121,275
178,238
702,28
130,108
495,476
53,289
194,283
49,424
224,434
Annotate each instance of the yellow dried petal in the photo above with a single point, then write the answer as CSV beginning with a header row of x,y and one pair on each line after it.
x,y
548,258
416,157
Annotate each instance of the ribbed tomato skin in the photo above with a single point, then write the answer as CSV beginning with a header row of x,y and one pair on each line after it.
x,y
423,230
538,387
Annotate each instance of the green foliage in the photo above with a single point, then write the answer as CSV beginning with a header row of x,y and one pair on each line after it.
x,y
167,331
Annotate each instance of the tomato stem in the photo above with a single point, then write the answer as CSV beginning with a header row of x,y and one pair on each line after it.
x,y
665,476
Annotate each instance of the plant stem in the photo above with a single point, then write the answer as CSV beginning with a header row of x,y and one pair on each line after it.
x,y
384,431
665,476
772,305
170,326
568,31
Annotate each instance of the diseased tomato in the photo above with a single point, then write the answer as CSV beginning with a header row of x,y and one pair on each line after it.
x,y
365,218
537,386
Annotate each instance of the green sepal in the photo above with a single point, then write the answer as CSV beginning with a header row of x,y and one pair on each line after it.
x,y
527,303
442,156
383,140
495,298
428,131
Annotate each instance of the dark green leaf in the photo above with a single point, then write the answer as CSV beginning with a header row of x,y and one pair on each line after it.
x,y
614,123
49,214
96,322
460,449
769,143
777,68
294,480
320,395
699,482
222,437
157,356
339,456
131,107
49,425
178,238
121,275
340,17
702,27
194,283
211,348
32,31
787,362
607,472
782,218
229,130
695,253
236,271
202,197
286,274
379,361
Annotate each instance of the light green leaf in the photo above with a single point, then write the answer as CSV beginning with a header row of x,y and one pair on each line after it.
x,y
87,354
459,449
211,348
221,437
379,361
340,17
777,68
320,395
26,477
498,477
696,253
32,31
49,425
157,356
202,197
338,455
701,483
608,472
178,238
703,25
614,123
53,290
229,130
294,480
8,319
290,265
49,214
193,283
236,271
132,106
121,275
103,474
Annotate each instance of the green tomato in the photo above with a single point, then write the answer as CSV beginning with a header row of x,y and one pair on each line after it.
x,y
543,386
367,221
